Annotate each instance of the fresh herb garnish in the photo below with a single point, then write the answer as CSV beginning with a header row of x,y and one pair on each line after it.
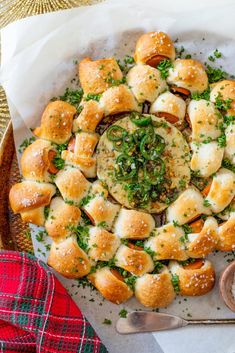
x,y
206,203
215,74
229,165
204,95
25,144
85,200
92,96
129,60
73,97
222,104
107,322
81,233
175,282
130,281
123,313
221,141
164,67
46,211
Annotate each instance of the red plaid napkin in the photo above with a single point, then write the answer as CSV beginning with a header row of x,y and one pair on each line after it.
x,y
36,312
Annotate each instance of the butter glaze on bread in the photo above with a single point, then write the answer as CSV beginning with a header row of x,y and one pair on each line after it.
x,y
118,99
155,290
226,233
111,288
203,243
56,122
131,224
61,218
145,82
153,44
35,161
89,117
167,243
67,258
96,76
171,104
28,195
102,244
138,262
224,89
189,74
194,282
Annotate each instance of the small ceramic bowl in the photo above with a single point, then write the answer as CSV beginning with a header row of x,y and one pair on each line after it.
x,y
225,285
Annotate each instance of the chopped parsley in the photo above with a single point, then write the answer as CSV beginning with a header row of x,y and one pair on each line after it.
x,y
130,281
81,233
204,95
129,60
40,235
46,211
85,200
25,144
187,262
149,251
58,162
164,67
123,313
73,97
93,96
229,119
114,82
222,141
222,104
206,203
229,165
175,282
215,74
102,224
107,322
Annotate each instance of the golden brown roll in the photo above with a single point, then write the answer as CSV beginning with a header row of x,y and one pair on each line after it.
x,y
36,161
226,233
155,290
56,122
195,279
207,158
145,82
167,243
188,74
28,195
98,187
101,211
169,106
80,151
118,99
225,90
188,206
111,285
89,117
229,151
61,217
72,185
204,119
67,258
102,244
35,216
152,47
138,262
131,224
98,75
204,242
222,190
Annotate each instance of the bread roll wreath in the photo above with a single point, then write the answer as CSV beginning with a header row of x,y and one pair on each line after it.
x,y
156,137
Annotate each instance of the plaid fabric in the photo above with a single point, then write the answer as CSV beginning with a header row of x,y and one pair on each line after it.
x,y
36,312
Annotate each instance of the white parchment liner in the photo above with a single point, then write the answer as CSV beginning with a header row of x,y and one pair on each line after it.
x,y
37,64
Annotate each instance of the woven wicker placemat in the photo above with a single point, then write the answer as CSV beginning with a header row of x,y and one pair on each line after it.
x,y
13,233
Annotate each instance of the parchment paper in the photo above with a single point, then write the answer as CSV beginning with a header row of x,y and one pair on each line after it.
x,y
38,56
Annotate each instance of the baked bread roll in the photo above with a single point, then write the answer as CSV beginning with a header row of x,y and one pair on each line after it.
x,y
167,243
118,99
222,190
89,117
80,151
195,279
37,161
131,224
61,218
67,258
56,122
101,211
98,75
229,150
155,290
226,233
153,47
138,262
111,285
102,244
189,75
224,90
72,185
170,107
188,206
206,158
204,242
204,120
99,187
145,82
29,198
